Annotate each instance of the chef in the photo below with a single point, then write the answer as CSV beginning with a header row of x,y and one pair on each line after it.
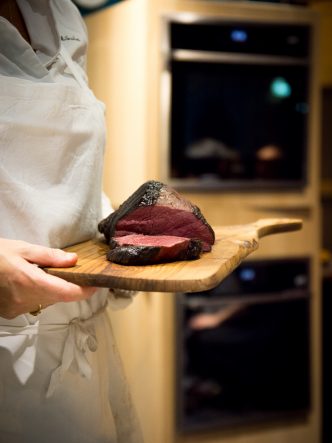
x,y
61,377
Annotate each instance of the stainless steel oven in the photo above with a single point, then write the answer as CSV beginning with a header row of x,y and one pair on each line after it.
x,y
243,347
236,104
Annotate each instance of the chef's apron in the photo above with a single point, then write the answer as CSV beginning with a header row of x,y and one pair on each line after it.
x,y
61,378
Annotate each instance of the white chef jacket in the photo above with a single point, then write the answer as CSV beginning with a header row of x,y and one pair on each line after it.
x,y
61,377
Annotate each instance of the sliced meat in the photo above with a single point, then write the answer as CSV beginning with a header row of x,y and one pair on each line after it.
x,y
148,249
156,209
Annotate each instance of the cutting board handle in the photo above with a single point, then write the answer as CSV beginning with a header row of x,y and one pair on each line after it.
x,y
267,226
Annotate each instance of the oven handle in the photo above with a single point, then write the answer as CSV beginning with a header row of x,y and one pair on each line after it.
x,y
185,55
252,299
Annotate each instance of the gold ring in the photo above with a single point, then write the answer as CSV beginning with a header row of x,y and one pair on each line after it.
x,y
37,311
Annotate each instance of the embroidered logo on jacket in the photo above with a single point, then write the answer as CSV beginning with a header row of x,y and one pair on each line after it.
x,y
70,37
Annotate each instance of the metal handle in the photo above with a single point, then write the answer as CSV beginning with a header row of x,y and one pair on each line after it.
x,y
252,299
225,57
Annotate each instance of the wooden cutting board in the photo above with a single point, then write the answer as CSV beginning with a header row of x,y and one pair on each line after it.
x,y
233,244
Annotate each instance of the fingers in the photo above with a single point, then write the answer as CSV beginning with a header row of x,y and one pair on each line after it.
x,y
59,290
66,292
44,256
24,286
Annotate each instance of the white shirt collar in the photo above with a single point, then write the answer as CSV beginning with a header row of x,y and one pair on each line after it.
x,y
44,36
52,24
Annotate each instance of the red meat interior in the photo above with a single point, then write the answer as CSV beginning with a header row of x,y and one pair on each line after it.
x,y
166,221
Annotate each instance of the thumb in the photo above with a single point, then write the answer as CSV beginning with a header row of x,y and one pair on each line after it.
x,y
44,256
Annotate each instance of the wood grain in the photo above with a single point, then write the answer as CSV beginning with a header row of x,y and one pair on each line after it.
x,y
233,244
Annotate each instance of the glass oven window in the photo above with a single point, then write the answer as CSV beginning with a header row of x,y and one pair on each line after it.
x,y
238,100
239,122
243,348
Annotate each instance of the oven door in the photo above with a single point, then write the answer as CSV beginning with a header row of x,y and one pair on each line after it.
x,y
243,360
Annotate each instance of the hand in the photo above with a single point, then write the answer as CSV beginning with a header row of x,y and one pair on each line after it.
x,y
24,286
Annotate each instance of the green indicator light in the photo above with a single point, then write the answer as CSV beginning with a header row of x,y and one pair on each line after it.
x,y
280,88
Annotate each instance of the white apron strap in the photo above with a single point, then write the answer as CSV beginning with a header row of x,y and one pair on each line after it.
x,y
80,339
74,69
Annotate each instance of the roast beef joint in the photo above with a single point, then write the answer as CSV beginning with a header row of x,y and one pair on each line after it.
x,y
156,225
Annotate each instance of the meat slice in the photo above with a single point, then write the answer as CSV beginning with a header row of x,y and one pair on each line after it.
x,y
138,249
157,209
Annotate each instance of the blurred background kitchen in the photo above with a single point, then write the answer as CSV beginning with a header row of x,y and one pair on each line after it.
x,y
230,103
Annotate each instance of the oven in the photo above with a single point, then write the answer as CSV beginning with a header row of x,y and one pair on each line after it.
x,y
236,104
242,348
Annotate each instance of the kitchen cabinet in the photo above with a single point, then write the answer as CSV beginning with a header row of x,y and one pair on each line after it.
x,y
126,62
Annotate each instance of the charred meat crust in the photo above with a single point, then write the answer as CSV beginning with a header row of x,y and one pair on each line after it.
x,y
200,216
145,255
146,195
